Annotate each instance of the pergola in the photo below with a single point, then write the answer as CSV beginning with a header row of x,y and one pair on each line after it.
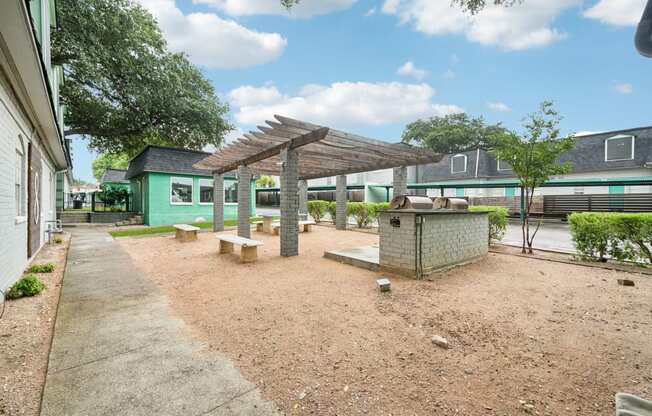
x,y
297,151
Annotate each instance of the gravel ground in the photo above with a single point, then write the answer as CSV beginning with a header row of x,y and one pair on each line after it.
x,y
25,335
526,336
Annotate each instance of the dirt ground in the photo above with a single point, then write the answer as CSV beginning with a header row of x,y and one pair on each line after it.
x,y
25,335
526,336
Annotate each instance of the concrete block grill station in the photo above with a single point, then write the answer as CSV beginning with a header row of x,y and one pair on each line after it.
x,y
417,239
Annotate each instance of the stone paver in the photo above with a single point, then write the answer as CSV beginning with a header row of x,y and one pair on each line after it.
x,y
118,350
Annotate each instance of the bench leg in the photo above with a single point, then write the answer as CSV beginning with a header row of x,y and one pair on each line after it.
x,y
226,247
185,236
248,254
277,230
259,227
307,228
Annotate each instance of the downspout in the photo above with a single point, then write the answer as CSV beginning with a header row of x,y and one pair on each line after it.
x,y
477,162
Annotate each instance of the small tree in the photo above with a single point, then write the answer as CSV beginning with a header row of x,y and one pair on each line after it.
x,y
265,181
534,158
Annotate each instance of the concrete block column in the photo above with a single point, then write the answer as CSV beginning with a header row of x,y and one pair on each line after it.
x,y
244,201
289,203
303,199
340,202
218,202
400,181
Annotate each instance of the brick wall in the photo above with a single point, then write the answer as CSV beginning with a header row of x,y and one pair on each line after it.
x,y
244,208
289,203
446,240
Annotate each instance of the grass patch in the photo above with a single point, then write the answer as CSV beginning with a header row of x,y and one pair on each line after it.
x,y
161,229
41,268
30,285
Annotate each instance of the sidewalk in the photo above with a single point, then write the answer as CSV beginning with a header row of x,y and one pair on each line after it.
x,y
118,350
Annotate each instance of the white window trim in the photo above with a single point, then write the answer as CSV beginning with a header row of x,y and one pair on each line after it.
x,y
224,195
498,166
200,182
620,136
453,164
192,194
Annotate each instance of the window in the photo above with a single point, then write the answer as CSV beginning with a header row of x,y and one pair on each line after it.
x,y
205,191
231,193
20,187
180,191
619,148
458,164
502,165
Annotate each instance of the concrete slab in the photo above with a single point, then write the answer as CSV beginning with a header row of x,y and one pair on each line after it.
x,y
367,257
119,350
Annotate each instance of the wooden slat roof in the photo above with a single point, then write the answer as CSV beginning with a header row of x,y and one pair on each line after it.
x,y
322,152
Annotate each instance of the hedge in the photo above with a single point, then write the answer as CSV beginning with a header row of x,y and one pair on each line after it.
x,y
29,285
364,213
624,237
497,220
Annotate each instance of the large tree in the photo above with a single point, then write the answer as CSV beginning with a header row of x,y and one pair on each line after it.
x,y
106,161
452,133
123,89
534,157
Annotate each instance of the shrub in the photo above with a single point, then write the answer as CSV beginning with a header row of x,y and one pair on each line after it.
x,y
332,210
57,240
361,212
317,209
591,233
497,221
29,285
625,237
41,268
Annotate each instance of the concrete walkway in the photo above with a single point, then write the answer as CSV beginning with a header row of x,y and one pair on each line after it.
x,y
118,350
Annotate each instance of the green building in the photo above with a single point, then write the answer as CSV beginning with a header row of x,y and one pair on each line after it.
x,y
167,189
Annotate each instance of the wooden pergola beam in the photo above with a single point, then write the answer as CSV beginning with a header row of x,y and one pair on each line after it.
x,y
266,153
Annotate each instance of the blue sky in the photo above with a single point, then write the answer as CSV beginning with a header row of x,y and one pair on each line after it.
x,y
370,67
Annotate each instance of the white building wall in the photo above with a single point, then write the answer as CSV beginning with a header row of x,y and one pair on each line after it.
x,y
13,230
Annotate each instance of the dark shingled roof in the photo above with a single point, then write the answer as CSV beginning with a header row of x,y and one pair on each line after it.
x,y
114,175
586,157
167,160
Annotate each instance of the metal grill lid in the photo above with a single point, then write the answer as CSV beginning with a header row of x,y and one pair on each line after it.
x,y
410,202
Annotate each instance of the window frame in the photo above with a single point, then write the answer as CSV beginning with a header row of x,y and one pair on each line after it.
x,y
466,159
234,183
192,190
20,182
502,170
212,192
620,136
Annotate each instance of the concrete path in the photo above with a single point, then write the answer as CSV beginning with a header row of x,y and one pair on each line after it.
x,y
118,350
552,235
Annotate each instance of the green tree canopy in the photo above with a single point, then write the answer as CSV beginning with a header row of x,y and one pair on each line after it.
x,y
472,6
123,89
106,161
452,133
265,181
534,157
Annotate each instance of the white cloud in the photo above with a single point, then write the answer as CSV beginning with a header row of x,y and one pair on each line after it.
x,y
617,12
212,41
370,12
518,27
623,88
450,74
342,104
498,106
305,8
408,69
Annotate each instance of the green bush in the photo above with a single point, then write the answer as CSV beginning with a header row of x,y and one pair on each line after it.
x,y
41,268
29,285
592,235
625,237
332,210
317,209
497,221
361,212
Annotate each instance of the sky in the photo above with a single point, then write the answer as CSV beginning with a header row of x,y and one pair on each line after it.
x,y
372,66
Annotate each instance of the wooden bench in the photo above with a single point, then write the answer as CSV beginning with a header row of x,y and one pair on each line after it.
x,y
305,226
185,232
248,247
